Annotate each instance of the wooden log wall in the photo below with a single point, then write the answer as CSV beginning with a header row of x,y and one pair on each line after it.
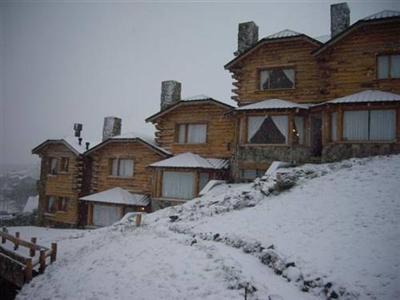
x,y
293,53
220,130
141,155
350,65
67,184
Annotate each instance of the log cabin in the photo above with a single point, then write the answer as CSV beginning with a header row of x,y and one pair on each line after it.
x,y
121,181
307,99
63,179
199,132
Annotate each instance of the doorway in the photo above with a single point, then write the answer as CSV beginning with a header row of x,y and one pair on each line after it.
x,y
316,134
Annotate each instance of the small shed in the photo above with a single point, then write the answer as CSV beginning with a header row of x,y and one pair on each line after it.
x,y
109,206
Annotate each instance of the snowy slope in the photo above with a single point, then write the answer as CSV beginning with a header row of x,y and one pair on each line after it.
x,y
337,230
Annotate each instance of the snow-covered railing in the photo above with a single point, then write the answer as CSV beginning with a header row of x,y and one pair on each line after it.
x,y
16,267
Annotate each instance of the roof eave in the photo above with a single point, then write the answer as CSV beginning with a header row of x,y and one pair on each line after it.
x,y
229,65
37,149
351,28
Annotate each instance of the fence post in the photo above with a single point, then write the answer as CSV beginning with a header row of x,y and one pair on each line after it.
x,y
16,243
3,238
28,270
138,219
32,250
53,254
42,261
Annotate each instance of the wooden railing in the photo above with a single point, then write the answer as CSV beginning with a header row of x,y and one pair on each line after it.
x,y
17,268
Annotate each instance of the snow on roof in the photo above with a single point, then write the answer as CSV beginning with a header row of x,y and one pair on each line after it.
x,y
74,143
31,204
134,135
283,34
272,104
367,96
118,195
190,160
197,97
323,38
382,15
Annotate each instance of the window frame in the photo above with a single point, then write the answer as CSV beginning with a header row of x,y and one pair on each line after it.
x,y
246,130
186,135
119,159
389,74
280,67
368,140
195,183
55,171
58,207
60,165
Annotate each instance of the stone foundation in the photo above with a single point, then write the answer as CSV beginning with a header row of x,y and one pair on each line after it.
x,y
336,152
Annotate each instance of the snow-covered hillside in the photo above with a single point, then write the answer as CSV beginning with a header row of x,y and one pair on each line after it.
x,y
336,233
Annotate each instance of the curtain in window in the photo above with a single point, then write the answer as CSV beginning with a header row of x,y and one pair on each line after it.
x,y
53,165
254,124
203,180
197,133
114,167
104,215
282,123
178,185
63,203
333,126
51,204
355,125
126,167
383,66
299,124
382,125
264,78
395,66
181,133
289,73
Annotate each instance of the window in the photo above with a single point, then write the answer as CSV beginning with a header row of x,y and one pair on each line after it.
x,y
277,78
63,204
374,125
251,174
334,126
122,167
192,133
64,164
178,185
51,204
267,130
388,66
298,130
203,180
53,165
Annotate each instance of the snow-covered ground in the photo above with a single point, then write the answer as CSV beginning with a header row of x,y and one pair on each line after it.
x,y
337,230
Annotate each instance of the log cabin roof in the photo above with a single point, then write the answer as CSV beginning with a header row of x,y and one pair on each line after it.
x,y
377,18
283,35
132,137
72,143
192,161
118,195
367,96
273,104
195,100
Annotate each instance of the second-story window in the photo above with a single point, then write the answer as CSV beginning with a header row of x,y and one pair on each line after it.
x,y
64,164
192,133
53,165
277,78
388,66
121,167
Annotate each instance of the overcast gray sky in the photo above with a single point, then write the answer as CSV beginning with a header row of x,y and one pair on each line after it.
x,y
74,61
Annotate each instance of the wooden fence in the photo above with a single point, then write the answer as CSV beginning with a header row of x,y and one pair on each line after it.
x,y
20,269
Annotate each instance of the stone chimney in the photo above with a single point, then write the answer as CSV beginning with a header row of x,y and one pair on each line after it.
x,y
247,36
170,93
77,129
340,18
111,127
